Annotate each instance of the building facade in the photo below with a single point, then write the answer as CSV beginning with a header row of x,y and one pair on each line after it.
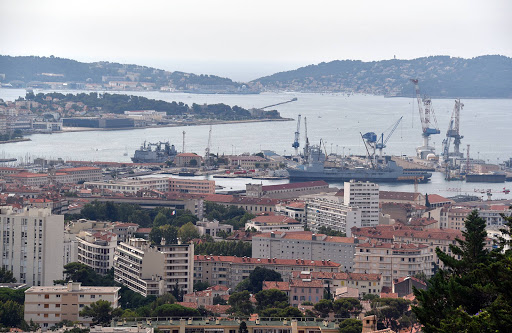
x,y
154,270
47,306
196,186
32,244
96,249
365,196
305,245
132,185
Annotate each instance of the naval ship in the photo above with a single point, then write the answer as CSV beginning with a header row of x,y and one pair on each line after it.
x,y
159,152
383,170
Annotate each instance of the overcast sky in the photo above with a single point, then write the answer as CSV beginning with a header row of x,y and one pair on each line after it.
x,y
248,39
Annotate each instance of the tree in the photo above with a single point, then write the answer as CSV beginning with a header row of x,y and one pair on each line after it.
x,y
219,300
174,310
11,314
271,298
345,307
323,307
351,326
260,274
100,312
6,276
240,303
200,285
188,232
243,328
473,292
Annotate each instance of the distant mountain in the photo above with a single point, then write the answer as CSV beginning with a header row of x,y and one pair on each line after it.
x,y
48,72
487,76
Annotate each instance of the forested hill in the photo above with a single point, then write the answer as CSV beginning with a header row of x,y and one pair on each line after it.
x,y
487,76
26,69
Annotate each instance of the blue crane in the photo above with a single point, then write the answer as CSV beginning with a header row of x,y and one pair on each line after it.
x,y
295,143
371,138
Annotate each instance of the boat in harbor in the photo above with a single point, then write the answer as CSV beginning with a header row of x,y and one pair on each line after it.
x,y
159,152
382,170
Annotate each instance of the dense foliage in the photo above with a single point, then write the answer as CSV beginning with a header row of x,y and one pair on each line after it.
x,y
254,283
237,217
440,76
329,232
225,248
473,291
6,276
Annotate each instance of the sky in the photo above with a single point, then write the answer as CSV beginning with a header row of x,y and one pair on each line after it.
x,y
245,40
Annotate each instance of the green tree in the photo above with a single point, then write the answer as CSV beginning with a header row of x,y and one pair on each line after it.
x,y
188,232
100,311
346,307
351,326
11,314
240,303
473,292
200,285
271,298
243,328
6,276
323,307
174,310
260,274
219,300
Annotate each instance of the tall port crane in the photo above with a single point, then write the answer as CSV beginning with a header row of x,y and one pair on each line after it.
x,y
289,101
426,124
296,143
207,150
372,141
306,145
454,132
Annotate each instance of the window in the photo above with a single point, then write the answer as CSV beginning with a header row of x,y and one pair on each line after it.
x,y
82,296
57,305
58,296
93,296
46,315
46,306
46,296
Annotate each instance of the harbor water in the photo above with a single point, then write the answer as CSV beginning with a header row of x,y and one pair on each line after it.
x,y
338,119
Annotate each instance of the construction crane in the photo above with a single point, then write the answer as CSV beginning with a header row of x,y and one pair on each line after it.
x,y
453,132
296,143
306,145
289,101
183,147
207,150
446,143
371,138
426,124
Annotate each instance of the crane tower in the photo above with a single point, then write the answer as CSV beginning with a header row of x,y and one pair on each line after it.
x,y
296,143
427,126
454,132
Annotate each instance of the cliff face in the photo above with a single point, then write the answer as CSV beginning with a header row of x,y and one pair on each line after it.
x,y
440,76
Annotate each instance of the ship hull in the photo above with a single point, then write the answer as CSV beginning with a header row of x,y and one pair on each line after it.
x,y
360,175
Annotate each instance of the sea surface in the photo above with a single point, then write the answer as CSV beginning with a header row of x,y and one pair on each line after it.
x,y
337,119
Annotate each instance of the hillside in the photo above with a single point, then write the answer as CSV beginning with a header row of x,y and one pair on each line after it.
x,y
440,76
53,72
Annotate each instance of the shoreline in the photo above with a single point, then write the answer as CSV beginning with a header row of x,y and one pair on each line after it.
x,y
214,122
15,140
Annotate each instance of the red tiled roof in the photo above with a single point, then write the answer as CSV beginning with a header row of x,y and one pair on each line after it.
x,y
388,295
266,261
394,246
402,279
143,230
220,309
290,186
436,198
187,155
306,283
393,232
281,285
27,175
296,204
337,276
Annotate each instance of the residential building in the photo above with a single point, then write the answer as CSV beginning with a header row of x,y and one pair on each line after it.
x,y
269,223
131,185
305,245
404,285
364,283
154,269
252,205
295,210
49,305
402,197
330,211
286,191
230,271
365,196
251,162
199,186
205,297
392,260
28,178
299,291
453,217
82,174
212,228
96,249
32,244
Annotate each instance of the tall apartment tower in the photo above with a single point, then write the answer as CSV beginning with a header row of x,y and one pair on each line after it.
x,y
32,244
364,195
154,269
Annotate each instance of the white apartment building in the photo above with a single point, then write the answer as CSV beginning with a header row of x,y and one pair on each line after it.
x,y
154,269
392,260
365,196
269,223
132,185
212,228
47,306
305,245
32,244
96,249
330,211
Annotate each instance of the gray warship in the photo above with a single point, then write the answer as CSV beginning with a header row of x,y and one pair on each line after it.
x,y
159,152
383,170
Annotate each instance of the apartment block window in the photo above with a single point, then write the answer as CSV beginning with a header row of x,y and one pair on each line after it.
x,y
46,296
93,296
46,306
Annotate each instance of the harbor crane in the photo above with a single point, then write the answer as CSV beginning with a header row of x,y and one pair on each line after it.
x,y
426,123
296,143
380,144
207,150
306,145
453,130
289,101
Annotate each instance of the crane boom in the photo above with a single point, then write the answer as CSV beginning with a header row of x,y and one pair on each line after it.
x,y
289,101
426,150
207,150
306,145
296,143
